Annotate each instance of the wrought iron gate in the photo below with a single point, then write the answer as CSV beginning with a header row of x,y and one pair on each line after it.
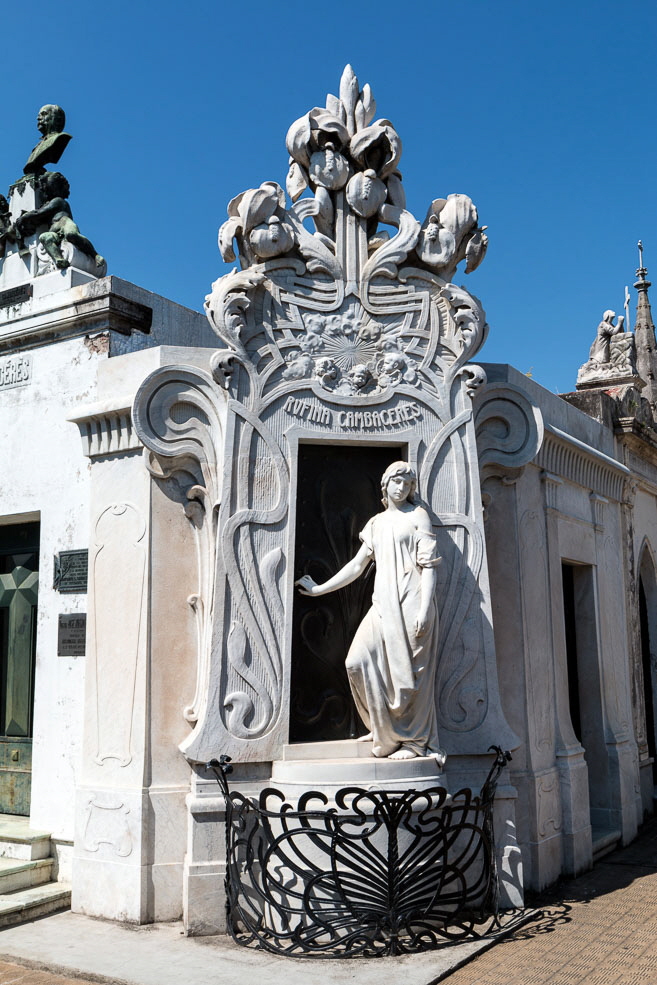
x,y
380,873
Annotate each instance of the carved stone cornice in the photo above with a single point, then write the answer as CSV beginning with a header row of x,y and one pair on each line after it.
x,y
570,458
639,438
94,307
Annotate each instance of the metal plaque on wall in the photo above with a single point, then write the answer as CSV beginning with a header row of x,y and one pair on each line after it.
x,y
72,634
70,571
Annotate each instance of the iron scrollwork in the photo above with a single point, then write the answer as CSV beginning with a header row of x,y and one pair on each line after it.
x,y
380,873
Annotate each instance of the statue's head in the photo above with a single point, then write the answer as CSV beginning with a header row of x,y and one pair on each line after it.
x,y
55,185
4,205
609,316
51,119
403,469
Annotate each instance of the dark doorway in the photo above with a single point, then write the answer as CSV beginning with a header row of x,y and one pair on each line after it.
x,y
339,489
19,584
649,676
584,686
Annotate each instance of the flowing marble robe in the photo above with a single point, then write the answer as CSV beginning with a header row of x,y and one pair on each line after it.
x,y
391,671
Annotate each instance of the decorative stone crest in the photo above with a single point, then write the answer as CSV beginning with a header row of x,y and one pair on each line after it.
x,y
342,326
353,300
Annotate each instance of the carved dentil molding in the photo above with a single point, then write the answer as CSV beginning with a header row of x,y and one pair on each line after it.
x,y
106,428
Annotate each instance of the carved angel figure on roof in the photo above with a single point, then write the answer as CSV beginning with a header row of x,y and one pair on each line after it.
x,y
612,355
600,350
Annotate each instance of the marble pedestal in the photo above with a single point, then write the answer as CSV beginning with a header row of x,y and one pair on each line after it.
x,y
325,767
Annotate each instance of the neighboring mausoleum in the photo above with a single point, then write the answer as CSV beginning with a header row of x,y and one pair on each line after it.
x,y
61,318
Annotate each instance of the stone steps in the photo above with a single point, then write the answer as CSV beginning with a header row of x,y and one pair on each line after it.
x,y
37,901
26,887
21,874
604,842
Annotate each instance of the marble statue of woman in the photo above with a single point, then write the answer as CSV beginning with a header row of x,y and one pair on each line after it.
x,y
391,663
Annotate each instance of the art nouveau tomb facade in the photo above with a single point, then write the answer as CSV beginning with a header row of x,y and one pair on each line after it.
x,y
203,481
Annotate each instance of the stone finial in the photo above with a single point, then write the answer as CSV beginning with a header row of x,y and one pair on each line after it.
x,y
51,121
644,335
612,358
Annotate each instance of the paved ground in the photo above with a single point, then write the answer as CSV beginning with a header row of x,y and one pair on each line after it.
x,y
600,929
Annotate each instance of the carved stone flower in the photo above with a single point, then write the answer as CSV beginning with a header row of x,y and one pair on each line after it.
x,y
312,133
377,147
257,218
271,238
315,143
366,193
329,169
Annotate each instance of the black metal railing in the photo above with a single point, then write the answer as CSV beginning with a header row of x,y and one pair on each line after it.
x,y
379,873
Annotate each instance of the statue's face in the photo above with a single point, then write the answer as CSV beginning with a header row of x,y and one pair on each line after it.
x,y
44,121
398,488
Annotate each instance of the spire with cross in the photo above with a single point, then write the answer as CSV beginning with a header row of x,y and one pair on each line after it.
x,y
644,334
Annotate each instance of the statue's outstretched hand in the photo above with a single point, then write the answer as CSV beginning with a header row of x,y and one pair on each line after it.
x,y
306,585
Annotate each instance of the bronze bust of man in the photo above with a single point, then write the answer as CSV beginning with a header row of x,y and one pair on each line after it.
x,y
50,122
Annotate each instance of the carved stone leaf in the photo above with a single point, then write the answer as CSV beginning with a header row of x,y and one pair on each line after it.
x,y
475,251
349,96
385,261
227,234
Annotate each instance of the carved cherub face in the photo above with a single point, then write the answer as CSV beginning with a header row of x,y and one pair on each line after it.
x,y
392,362
359,376
325,369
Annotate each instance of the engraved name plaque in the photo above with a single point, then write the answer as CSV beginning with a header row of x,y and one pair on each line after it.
x,y
70,571
15,295
72,635
15,371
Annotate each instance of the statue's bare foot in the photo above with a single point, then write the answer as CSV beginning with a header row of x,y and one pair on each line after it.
x,y
365,738
403,753
99,260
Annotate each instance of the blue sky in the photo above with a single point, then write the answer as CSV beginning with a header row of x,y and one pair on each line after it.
x,y
544,113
